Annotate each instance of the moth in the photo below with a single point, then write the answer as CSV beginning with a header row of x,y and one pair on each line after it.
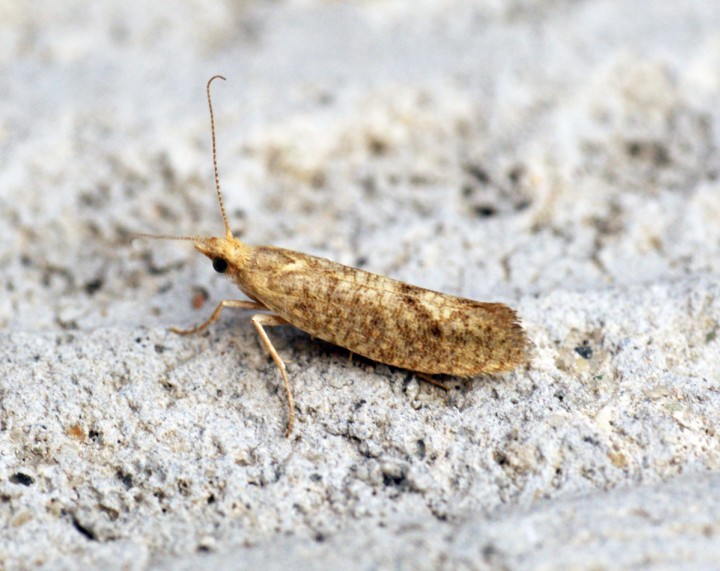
x,y
380,318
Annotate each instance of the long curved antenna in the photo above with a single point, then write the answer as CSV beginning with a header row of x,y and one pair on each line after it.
x,y
228,233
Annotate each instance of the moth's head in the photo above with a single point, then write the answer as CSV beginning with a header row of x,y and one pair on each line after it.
x,y
227,254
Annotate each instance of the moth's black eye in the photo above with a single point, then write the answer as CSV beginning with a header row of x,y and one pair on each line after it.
x,y
220,265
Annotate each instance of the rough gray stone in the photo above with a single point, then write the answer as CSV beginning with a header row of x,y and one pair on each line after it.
x,y
561,157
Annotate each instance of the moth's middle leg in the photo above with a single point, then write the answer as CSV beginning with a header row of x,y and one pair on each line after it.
x,y
269,319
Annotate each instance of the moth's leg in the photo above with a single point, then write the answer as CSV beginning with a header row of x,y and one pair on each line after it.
x,y
269,319
432,381
240,303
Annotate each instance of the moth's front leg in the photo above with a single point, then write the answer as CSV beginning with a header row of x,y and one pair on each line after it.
x,y
239,303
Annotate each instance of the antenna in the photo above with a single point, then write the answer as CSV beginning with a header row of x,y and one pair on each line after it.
x,y
165,237
228,233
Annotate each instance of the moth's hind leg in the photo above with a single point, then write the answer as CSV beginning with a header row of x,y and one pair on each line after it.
x,y
239,303
428,379
269,319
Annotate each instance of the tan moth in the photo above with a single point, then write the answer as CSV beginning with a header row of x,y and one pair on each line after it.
x,y
374,316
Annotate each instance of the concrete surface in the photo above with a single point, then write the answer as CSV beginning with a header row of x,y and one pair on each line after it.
x,y
559,156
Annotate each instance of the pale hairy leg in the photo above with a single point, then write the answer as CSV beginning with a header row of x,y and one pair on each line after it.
x,y
270,320
238,303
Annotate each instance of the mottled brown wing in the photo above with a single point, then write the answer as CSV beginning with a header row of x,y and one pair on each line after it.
x,y
384,319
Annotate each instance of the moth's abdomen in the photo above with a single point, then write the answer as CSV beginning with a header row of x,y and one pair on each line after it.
x,y
384,319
